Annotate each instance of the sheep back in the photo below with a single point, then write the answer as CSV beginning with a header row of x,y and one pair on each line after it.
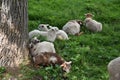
x,y
34,33
41,47
114,69
48,58
71,27
93,25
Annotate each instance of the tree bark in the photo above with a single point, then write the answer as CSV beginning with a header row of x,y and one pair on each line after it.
x,y
13,32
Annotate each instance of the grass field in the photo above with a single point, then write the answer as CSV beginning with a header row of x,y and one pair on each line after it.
x,y
91,52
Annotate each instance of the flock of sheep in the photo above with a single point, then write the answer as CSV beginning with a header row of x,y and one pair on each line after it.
x,y
44,53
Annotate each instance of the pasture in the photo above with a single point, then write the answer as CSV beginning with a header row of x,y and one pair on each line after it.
x,y
91,52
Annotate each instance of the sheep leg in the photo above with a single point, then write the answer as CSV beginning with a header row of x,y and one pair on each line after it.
x,y
78,34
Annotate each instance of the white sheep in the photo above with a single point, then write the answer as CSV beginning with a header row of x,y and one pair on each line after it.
x,y
91,24
50,34
114,69
72,27
36,47
60,34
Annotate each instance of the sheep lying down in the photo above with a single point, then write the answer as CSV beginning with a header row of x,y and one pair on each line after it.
x,y
93,25
36,47
49,58
114,69
60,34
72,27
50,34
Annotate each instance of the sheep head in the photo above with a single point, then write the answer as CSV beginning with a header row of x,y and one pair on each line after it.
x,y
43,27
55,29
66,66
89,15
87,20
33,42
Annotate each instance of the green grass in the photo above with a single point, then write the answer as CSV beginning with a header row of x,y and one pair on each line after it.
x,y
91,52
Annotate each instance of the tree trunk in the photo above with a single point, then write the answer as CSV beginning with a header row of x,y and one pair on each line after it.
x,y
13,32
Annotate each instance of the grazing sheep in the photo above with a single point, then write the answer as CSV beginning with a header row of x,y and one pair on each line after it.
x,y
48,58
92,25
36,47
114,69
50,34
72,27
60,34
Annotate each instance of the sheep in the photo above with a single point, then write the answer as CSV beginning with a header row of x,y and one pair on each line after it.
x,y
60,34
36,47
49,58
50,34
72,27
114,69
92,25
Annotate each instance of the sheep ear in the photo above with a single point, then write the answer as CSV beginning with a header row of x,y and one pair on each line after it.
x,y
69,62
50,27
47,25
63,65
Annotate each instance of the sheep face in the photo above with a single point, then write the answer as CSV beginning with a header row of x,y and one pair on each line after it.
x,y
54,28
87,20
43,27
89,15
66,66
33,42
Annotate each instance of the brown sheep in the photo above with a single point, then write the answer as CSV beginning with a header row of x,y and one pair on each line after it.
x,y
48,58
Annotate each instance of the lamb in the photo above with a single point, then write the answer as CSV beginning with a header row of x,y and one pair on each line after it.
x,y
92,25
48,58
60,33
72,27
50,34
36,47
114,69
